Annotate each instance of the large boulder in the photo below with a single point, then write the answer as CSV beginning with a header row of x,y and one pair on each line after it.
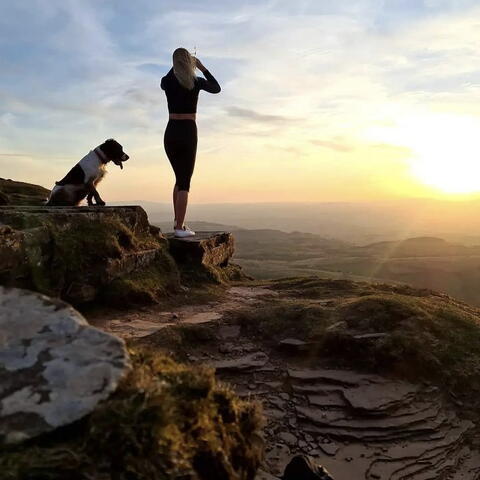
x,y
206,257
82,254
20,193
54,367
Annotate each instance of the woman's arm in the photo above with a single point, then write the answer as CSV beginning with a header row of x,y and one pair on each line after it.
x,y
209,84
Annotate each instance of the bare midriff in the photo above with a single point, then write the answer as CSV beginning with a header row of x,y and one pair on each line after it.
x,y
182,116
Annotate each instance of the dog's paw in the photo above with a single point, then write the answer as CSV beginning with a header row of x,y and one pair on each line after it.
x,y
101,203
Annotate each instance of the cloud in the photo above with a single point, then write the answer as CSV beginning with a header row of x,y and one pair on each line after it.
x,y
252,115
291,71
336,145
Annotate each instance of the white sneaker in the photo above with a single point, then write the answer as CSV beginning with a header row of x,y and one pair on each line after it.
x,y
184,232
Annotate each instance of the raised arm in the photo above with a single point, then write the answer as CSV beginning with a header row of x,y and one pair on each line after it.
x,y
209,84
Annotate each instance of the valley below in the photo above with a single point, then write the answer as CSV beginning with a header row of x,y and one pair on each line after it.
x,y
424,262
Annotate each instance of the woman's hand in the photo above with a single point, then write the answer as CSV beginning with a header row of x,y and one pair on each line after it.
x,y
199,64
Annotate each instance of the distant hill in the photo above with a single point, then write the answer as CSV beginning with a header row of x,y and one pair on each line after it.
x,y
199,226
21,193
357,222
425,262
419,247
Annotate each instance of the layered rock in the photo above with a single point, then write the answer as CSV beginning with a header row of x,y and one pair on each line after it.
x,y
83,254
386,429
54,367
206,257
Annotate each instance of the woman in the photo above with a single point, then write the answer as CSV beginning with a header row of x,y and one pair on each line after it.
x,y
181,88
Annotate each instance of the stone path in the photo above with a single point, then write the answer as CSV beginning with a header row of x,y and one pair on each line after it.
x,y
358,426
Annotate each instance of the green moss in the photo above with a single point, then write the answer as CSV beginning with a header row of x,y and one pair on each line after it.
x,y
148,285
105,239
165,421
317,287
285,317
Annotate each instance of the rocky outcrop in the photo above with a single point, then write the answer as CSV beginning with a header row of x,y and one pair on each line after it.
x,y
206,257
54,367
165,420
356,425
82,254
357,422
20,193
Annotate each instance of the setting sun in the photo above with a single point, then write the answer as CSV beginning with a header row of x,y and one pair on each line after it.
x,y
445,152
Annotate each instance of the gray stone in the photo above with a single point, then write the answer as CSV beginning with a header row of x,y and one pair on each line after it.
x,y
54,367
277,459
370,336
288,438
229,331
245,363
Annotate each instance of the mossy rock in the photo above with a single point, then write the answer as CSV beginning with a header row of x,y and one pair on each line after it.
x,y
165,421
86,254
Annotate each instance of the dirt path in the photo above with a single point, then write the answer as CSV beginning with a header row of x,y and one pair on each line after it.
x,y
136,324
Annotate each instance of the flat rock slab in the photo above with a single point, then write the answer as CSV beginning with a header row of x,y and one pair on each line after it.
x,y
54,367
207,248
245,363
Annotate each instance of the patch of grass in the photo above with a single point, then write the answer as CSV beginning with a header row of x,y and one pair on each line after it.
x,y
179,340
317,287
165,421
283,318
105,239
143,287
421,335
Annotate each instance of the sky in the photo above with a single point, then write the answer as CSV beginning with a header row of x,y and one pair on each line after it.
x,y
321,100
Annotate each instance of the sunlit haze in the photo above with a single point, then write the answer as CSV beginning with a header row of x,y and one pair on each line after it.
x,y
321,101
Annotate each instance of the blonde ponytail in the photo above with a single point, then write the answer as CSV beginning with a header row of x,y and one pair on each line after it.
x,y
184,67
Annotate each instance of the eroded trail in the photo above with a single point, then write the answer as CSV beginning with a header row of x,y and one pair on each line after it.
x,y
148,321
358,425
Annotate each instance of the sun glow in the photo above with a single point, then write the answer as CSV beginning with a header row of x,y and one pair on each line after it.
x,y
445,149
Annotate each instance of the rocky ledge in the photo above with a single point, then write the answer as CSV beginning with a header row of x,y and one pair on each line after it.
x,y
106,254
206,257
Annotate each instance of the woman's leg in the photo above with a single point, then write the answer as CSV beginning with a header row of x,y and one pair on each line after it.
x,y
181,208
181,149
175,192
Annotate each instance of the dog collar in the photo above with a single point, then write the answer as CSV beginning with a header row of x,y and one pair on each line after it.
x,y
103,158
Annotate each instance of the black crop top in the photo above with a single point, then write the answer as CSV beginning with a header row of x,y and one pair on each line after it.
x,y
182,100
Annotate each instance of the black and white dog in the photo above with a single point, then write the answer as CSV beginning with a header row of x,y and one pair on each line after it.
x,y
81,181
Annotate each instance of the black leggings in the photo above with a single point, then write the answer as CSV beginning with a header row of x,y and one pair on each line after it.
x,y
180,143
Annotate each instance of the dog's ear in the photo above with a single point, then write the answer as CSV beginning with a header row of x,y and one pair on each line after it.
x,y
112,149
